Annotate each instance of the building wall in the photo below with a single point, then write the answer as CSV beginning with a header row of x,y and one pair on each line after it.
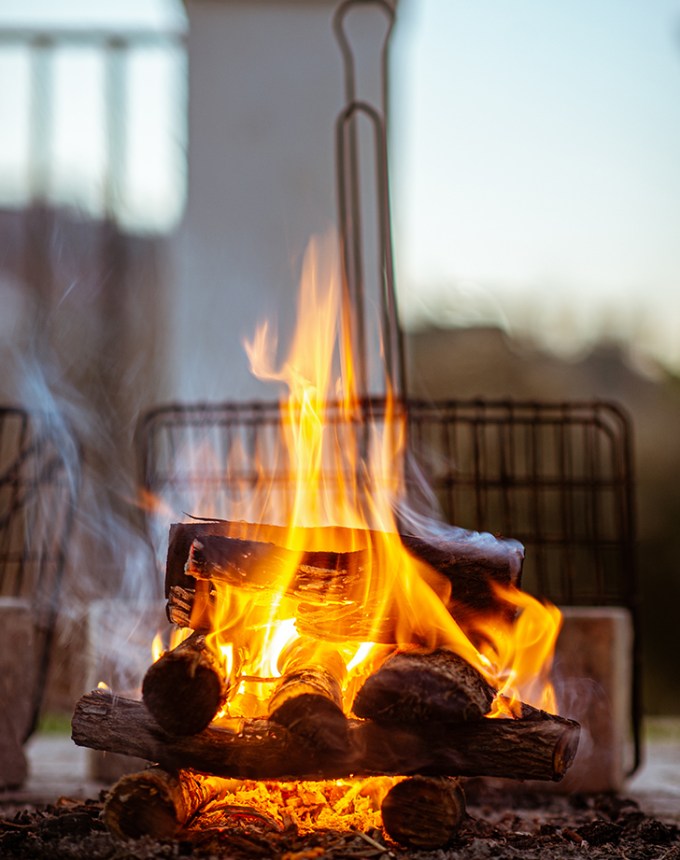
x,y
265,87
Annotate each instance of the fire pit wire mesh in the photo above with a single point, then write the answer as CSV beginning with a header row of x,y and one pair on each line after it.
x,y
556,476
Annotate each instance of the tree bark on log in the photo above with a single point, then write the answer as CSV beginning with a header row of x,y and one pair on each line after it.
x,y
185,688
540,746
423,812
158,804
411,687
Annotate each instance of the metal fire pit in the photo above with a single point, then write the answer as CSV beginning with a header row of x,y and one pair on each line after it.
x,y
556,476
38,494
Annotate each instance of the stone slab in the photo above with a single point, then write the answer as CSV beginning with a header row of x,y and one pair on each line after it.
x,y
593,678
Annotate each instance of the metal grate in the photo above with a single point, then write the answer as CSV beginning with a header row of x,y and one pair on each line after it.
x,y
37,504
556,476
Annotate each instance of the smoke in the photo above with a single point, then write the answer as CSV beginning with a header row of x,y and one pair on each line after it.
x,y
90,573
419,513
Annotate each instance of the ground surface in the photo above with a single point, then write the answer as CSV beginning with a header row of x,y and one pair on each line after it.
x,y
56,815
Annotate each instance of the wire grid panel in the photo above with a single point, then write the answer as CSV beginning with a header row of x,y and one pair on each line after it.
x,y
38,493
557,477
233,461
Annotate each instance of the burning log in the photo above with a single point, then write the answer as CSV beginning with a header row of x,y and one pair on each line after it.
x,y
159,804
324,581
185,688
319,577
180,606
477,557
423,812
308,699
537,746
412,687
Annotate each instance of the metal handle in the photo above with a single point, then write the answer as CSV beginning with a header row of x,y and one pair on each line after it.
x,y
349,209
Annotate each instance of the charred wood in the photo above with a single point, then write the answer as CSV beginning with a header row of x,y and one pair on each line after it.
x,y
480,558
540,746
158,804
185,688
423,812
416,688
469,564
308,699
319,577
180,605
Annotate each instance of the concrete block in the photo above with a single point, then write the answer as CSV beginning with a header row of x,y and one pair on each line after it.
x,y
17,674
593,678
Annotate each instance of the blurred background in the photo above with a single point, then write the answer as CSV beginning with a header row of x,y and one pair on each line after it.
x,y
164,164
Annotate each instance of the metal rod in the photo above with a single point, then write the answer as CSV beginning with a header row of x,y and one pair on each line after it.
x,y
349,208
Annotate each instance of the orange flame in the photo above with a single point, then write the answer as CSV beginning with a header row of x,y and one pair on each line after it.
x,y
345,480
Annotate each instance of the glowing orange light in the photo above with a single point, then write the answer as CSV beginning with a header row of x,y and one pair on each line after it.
x,y
346,479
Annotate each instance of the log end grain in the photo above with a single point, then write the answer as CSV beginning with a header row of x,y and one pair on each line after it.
x,y
184,689
143,804
423,812
411,688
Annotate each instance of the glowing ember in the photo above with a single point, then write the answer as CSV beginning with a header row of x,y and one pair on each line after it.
x,y
333,804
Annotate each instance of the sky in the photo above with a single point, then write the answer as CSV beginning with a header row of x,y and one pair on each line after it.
x,y
535,158
536,150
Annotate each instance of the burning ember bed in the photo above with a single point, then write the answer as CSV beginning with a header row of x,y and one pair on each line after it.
x,y
497,824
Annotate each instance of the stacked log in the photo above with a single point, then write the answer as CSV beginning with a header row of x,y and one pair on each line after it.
x,y
423,812
185,688
308,698
536,746
421,715
327,582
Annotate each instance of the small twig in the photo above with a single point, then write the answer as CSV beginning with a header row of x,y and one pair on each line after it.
x,y
11,825
373,842
235,811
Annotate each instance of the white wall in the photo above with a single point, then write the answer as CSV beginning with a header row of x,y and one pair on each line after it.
x,y
265,89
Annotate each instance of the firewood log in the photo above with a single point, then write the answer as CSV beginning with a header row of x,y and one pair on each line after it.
x,y
423,812
472,562
159,804
308,699
185,688
412,687
330,589
318,577
540,746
